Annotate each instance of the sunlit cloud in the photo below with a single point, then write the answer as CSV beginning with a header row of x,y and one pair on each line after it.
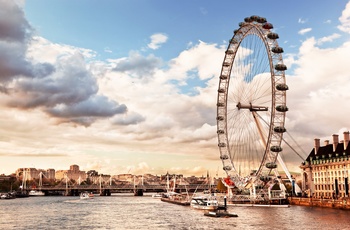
x,y
157,40
304,31
345,19
328,38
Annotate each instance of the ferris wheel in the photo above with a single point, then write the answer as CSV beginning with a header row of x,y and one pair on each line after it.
x,y
251,104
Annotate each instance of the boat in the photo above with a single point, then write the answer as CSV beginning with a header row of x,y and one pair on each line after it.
x,y
86,195
9,195
157,195
176,198
36,193
221,211
220,214
206,202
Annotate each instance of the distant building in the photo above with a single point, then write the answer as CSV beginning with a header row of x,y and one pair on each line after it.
x,y
326,169
73,173
33,173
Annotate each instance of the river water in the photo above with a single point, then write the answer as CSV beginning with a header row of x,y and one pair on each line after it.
x,y
125,211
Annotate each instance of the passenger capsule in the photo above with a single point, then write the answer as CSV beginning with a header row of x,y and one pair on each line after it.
x,y
220,131
223,77
224,157
226,64
220,118
248,19
242,24
279,129
221,90
277,50
271,165
267,26
276,148
272,36
227,168
282,87
280,67
222,145
281,108
229,52
261,20
254,17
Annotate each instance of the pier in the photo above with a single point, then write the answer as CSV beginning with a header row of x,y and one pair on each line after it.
x,y
343,203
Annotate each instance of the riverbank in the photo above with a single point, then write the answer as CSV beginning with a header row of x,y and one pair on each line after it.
x,y
343,203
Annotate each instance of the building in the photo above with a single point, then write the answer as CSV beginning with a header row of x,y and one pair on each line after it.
x,y
326,169
73,173
33,173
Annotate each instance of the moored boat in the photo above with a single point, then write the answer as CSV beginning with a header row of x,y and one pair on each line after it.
x,y
157,195
206,202
176,198
36,193
9,195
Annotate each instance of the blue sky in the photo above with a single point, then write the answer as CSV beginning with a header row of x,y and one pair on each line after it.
x,y
130,86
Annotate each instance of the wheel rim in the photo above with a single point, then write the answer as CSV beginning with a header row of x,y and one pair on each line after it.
x,y
251,103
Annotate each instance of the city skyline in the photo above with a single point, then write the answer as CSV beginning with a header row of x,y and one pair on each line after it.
x,y
124,89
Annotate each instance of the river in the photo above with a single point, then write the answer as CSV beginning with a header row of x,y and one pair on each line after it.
x,y
125,211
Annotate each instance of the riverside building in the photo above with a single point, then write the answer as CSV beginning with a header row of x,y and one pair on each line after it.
x,y
326,169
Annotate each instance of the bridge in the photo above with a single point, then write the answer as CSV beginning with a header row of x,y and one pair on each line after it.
x,y
106,189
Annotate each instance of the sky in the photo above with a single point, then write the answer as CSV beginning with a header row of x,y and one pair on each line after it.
x,y
130,86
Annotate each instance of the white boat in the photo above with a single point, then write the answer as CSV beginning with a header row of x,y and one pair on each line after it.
x,y
158,195
205,202
36,193
86,195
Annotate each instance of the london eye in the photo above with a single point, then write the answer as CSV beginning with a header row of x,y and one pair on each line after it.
x,y
251,104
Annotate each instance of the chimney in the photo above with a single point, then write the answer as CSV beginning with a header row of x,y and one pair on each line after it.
x,y
335,142
326,142
346,139
317,145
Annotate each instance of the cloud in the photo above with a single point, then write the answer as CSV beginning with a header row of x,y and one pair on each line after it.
x,y
318,92
85,112
70,83
138,65
13,25
345,19
15,35
304,31
132,118
38,74
328,38
157,40
302,21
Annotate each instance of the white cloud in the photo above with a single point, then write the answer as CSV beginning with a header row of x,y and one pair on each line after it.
x,y
302,21
318,92
304,31
345,19
328,38
157,40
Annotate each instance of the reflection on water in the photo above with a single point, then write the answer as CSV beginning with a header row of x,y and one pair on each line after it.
x,y
121,211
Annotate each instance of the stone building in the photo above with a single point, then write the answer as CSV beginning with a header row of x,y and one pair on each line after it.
x,y
326,169
33,173
73,173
